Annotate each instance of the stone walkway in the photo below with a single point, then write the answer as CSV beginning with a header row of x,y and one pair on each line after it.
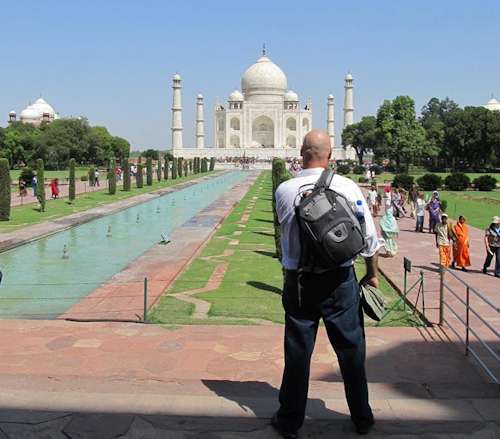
x,y
118,380
421,249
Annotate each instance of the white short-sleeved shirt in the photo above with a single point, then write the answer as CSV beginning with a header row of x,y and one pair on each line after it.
x,y
286,197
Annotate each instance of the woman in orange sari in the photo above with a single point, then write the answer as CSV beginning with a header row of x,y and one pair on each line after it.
x,y
461,256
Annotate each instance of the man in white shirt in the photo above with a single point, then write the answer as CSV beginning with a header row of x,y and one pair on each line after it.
x,y
332,296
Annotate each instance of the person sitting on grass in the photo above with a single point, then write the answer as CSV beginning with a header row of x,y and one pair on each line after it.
x,y
444,237
461,257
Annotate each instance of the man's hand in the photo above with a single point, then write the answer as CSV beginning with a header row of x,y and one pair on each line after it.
x,y
371,280
371,271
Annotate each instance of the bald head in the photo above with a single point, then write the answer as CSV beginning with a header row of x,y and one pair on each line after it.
x,y
316,149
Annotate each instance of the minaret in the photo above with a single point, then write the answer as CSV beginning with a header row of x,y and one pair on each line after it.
x,y
176,113
348,101
200,123
330,120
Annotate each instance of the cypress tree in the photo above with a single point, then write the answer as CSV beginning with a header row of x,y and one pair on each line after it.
x,y
126,174
186,167
197,165
112,176
179,167
165,169
92,176
139,177
191,166
279,175
174,168
212,163
72,189
158,168
149,171
4,190
203,164
40,184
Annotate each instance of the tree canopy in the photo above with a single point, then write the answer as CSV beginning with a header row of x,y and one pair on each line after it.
x,y
362,136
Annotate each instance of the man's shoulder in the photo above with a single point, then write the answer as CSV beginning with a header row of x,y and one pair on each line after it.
x,y
286,187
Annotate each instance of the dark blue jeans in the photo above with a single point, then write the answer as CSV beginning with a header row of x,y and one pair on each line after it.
x,y
489,258
333,297
419,226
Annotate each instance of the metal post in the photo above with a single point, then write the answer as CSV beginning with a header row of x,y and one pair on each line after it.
x,y
145,299
467,298
441,295
423,292
404,290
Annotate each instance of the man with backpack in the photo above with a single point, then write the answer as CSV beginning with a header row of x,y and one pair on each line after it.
x,y
325,223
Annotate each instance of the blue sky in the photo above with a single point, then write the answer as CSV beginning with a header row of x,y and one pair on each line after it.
x,y
112,60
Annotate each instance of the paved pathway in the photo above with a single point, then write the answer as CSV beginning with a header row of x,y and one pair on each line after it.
x,y
119,380
421,249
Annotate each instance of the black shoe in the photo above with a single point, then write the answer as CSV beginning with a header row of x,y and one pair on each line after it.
x,y
279,428
485,271
464,269
364,427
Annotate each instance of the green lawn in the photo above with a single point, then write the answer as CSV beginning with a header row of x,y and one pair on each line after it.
x,y
27,215
61,175
251,288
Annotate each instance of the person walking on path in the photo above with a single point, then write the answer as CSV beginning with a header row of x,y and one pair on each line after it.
x,y
390,231
419,212
372,199
34,184
96,178
461,257
331,295
54,188
444,238
434,208
492,243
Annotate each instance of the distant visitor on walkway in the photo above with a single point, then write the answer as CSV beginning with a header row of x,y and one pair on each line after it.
x,y
492,243
444,238
461,258
315,289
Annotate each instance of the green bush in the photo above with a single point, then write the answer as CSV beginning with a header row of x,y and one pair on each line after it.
x,y
174,168
126,174
457,181
84,178
149,171
4,190
279,175
485,183
212,163
139,177
430,182
358,170
112,176
204,167
444,205
72,188
40,186
158,169
179,167
186,167
343,169
377,169
27,175
404,181
363,179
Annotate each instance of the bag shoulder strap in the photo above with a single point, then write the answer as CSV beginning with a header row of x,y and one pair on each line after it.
x,y
325,179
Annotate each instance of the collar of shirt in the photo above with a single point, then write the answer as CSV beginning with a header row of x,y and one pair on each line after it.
x,y
310,171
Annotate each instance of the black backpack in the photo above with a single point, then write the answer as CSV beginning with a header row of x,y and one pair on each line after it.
x,y
330,232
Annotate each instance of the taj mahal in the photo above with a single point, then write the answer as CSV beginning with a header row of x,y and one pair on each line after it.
x,y
264,119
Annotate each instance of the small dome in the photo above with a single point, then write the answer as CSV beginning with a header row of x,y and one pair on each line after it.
x,y
493,104
12,113
236,96
200,96
291,96
30,114
42,107
263,78
330,96
348,76
177,77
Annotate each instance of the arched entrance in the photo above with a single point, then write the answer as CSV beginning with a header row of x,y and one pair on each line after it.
x,y
263,132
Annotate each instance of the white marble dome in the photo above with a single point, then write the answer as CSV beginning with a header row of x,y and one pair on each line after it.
x,y
291,96
29,114
236,95
263,79
493,104
42,107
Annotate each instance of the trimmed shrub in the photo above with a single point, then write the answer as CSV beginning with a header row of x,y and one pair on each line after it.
x,y
444,205
212,163
404,181
190,163
485,183
139,177
126,174
204,167
377,169
72,188
92,176
457,181
40,186
358,170
363,179
149,171
179,167
430,182
174,168
84,178
158,164
279,175
343,169
112,176
186,167
5,190
165,168
27,175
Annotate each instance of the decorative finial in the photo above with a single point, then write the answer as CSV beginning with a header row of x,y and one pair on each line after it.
x,y
264,49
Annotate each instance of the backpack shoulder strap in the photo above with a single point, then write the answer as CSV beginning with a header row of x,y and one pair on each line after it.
x,y
324,180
